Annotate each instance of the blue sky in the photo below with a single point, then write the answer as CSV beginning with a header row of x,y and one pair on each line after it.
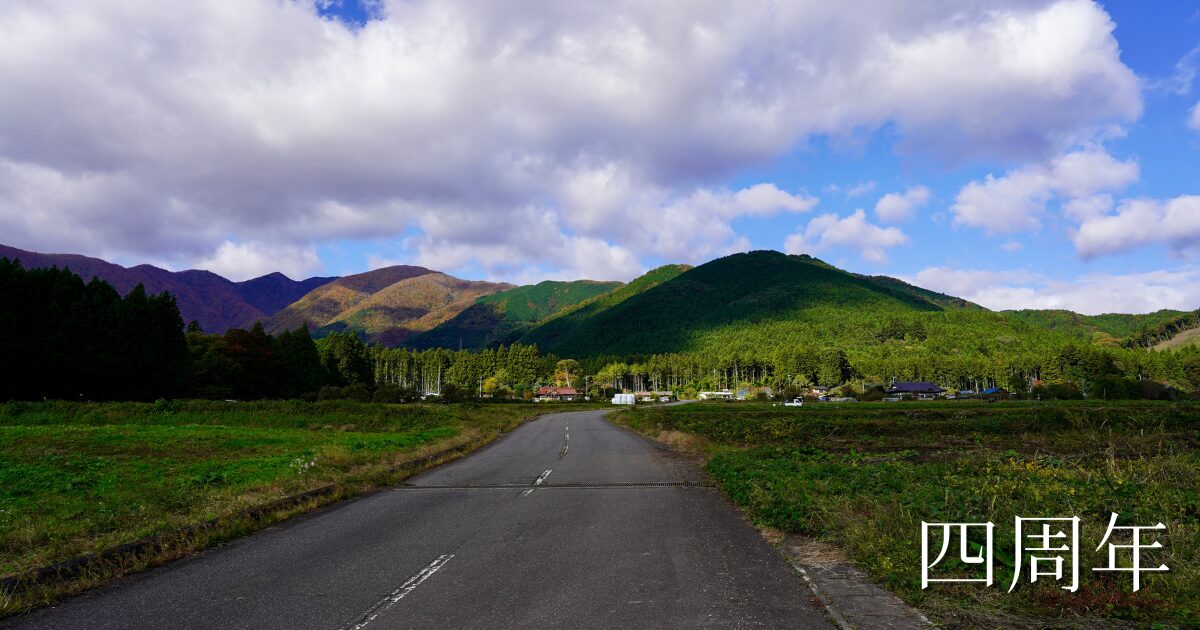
x,y
1046,149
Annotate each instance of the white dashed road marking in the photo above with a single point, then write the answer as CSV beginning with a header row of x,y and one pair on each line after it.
x,y
399,593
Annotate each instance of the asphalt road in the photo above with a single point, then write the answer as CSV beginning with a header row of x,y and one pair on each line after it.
x,y
568,522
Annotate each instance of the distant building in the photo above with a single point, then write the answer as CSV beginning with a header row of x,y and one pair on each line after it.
x,y
550,394
653,396
715,395
819,390
918,390
994,393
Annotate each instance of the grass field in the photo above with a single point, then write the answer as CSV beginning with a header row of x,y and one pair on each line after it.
x,y
1182,340
79,478
864,477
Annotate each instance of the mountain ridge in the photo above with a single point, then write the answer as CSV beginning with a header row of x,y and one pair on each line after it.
x,y
214,301
746,297
504,316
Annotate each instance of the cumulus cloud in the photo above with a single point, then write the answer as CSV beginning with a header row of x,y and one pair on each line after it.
x,y
894,207
159,131
243,261
1140,222
1015,201
1090,294
853,232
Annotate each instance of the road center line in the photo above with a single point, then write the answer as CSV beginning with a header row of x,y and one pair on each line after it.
x,y
542,478
399,593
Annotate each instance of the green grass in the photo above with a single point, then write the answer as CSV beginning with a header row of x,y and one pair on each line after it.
x,y
79,478
865,476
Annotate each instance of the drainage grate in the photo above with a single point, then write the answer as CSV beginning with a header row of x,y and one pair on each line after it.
x,y
513,486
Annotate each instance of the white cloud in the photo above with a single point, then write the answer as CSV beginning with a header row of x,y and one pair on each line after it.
x,y
284,129
1180,81
1012,247
1016,201
1141,222
894,207
853,231
1194,120
860,189
243,261
1091,294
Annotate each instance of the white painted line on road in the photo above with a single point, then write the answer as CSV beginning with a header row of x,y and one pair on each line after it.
x,y
527,492
399,593
542,478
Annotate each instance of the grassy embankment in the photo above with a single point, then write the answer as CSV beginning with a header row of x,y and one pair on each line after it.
x,y
864,477
80,478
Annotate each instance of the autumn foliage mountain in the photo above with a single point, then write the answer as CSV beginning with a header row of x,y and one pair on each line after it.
x,y
217,303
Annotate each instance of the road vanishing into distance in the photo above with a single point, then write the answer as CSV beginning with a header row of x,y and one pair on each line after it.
x,y
567,522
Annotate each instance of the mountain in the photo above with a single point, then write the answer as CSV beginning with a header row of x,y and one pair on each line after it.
x,y
274,291
758,299
940,299
322,305
1106,329
565,323
216,302
386,305
502,317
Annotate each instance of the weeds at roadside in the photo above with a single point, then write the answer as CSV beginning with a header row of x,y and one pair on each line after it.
x,y
865,476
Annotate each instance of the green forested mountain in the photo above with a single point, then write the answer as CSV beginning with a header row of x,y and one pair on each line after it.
x,y
737,318
503,317
749,320
565,325
1106,329
941,299
744,301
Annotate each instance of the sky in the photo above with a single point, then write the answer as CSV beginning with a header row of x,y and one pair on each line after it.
x,y
1017,153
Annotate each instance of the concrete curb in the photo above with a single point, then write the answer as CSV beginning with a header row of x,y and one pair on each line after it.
x,y
849,597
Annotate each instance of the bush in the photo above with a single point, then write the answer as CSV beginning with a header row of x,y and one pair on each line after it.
x,y
356,392
452,393
396,394
1058,391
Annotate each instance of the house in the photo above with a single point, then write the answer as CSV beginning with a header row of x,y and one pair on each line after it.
x,y
715,395
994,393
819,390
918,390
548,394
653,396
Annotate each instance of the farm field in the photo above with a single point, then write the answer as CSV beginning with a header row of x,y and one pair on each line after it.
x,y
79,478
865,476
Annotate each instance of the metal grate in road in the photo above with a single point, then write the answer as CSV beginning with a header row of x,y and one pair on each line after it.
x,y
515,486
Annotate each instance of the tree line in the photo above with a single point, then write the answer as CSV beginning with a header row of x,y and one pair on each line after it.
x,y
73,340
